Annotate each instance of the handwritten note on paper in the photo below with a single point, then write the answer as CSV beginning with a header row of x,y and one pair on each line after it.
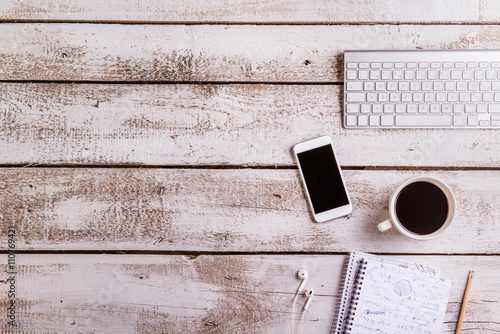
x,y
394,300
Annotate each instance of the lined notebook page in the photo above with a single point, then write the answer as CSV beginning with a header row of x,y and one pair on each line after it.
x,y
395,300
347,285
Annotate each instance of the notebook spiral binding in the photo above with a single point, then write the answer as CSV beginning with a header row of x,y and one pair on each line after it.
x,y
355,297
338,324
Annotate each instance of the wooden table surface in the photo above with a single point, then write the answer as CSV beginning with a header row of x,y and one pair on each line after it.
x,y
146,167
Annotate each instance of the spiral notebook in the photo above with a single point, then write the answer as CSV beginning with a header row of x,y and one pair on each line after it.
x,y
382,295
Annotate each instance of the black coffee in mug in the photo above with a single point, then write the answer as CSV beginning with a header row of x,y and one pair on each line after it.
x,y
422,207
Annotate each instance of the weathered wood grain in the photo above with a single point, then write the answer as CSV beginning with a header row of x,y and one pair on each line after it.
x,y
248,125
252,11
211,294
228,210
209,53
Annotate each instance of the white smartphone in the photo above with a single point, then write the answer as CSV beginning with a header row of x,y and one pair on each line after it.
x,y
321,175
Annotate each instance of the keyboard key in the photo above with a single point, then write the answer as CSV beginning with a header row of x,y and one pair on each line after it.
x,y
491,74
482,108
366,108
429,97
423,120
387,65
418,97
484,64
354,85
432,75
395,97
351,120
473,85
363,75
447,64
411,64
484,123
387,75
459,64
412,108
374,75
435,108
458,108
406,97
435,64
388,108
484,85
456,75
386,120
467,74
423,108
426,85
352,108
363,120
377,108
441,97
415,85
421,75
452,97
392,85
355,97
404,85
475,97
401,108
472,64
487,97
383,97
374,120
472,120
397,75
380,85
375,65
351,65
460,120
423,64
450,85
364,65
495,85
371,97
446,108
409,75
494,108
399,65
351,75
444,74
464,97
369,85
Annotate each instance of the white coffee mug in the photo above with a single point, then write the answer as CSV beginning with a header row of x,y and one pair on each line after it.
x,y
394,221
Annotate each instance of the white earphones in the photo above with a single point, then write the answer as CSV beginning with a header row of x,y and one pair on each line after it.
x,y
309,294
303,275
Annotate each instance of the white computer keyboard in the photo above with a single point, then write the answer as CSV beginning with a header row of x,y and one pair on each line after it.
x,y
422,89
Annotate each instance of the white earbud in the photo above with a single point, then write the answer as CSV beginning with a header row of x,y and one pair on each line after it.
x,y
309,294
303,275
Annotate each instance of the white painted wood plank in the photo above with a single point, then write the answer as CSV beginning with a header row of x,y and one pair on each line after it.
x,y
259,53
250,125
253,11
242,210
208,294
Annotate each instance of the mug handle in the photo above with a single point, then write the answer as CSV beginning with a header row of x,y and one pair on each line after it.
x,y
385,225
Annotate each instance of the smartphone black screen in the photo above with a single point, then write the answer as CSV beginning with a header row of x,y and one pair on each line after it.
x,y
323,179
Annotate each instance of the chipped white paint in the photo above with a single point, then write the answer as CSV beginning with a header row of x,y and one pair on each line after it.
x,y
257,11
240,210
212,294
210,53
249,125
